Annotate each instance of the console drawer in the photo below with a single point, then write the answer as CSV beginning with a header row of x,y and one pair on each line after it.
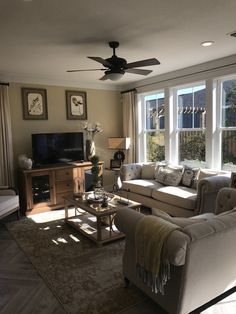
x,y
64,174
64,186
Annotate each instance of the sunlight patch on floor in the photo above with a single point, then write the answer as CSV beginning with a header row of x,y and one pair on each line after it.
x,y
51,215
74,238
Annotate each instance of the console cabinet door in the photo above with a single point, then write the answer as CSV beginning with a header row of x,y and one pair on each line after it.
x,y
40,189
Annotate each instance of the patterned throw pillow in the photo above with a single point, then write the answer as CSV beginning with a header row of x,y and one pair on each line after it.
x,y
189,176
160,174
169,176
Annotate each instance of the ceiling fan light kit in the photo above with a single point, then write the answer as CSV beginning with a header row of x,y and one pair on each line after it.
x,y
116,67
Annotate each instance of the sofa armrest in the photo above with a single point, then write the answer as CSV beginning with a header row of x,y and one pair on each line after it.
x,y
126,221
226,200
207,191
130,171
6,190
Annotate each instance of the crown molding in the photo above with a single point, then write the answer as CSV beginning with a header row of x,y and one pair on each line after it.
x,y
213,68
14,78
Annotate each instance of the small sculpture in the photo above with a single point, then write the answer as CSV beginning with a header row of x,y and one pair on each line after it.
x,y
24,162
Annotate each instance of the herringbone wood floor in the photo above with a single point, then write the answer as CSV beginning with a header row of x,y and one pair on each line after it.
x,y
21,289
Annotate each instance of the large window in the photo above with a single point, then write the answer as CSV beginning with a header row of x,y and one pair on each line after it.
x,y
228,123
153,127
193,125
191,113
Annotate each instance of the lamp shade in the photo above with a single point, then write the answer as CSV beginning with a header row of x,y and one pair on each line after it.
x,y
119,142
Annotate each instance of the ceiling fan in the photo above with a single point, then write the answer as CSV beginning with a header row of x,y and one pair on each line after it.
x,y
116,67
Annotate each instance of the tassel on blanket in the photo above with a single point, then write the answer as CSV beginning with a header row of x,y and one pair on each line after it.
x,y
152,264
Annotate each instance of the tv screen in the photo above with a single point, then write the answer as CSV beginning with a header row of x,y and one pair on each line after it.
x,y
57,148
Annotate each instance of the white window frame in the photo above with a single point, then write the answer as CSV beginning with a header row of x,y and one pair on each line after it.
x,y
219,118
176,128
141,129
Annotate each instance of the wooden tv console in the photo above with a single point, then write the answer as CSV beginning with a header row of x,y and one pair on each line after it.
x,y
43,189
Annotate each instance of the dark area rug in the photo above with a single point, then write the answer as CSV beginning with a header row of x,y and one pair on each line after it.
x,y
83,277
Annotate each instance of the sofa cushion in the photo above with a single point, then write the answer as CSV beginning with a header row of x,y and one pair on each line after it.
x,y
142,187
148,171
170,175
189,176
180,196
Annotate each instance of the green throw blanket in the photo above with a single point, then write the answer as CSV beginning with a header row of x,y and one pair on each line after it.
x,y
152,266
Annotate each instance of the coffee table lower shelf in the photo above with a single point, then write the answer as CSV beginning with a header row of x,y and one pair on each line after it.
x,y
89,229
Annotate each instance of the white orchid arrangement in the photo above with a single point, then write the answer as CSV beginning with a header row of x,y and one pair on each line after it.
x,y
92,129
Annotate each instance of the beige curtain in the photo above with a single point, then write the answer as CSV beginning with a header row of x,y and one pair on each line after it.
x,y
129,123
6,150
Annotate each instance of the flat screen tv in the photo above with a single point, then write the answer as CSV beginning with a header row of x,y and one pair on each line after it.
x,y
57,148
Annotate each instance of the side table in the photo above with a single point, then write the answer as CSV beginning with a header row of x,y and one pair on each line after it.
x,y
117,181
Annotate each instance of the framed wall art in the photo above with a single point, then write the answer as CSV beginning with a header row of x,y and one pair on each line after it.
x,y
76,105
34,102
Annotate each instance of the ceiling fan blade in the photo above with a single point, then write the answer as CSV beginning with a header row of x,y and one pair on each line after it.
x,y
102,61
143,63
103,78
138,71
85,70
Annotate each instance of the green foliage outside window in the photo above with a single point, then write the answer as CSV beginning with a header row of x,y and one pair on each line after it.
x,y
192,146
155,152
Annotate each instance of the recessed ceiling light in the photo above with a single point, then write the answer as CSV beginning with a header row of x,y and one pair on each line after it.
x,y
207,43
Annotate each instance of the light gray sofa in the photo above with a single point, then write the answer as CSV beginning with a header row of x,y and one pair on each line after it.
x,y
202,255
139,184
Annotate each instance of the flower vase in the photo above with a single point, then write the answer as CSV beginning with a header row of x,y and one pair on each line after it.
x,y
98,192
90,149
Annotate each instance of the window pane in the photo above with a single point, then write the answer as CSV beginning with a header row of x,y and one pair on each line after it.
x,y
155,113
192,147
191,107
155,146
229,103
229,150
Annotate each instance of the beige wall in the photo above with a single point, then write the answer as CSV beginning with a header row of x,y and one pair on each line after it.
x,y
103,106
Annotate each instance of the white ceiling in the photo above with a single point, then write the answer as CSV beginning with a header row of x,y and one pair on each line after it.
x,y
41,39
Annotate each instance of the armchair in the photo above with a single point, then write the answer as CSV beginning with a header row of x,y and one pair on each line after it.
x,y
9,201
201,254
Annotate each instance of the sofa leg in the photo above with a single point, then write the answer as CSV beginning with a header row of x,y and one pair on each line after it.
x,y
126,280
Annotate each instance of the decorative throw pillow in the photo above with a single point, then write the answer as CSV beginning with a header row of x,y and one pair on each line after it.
x,y
148,171
169,175
173,177
160,174
189,176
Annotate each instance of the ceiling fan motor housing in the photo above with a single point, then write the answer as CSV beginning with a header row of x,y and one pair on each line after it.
x,y
117,63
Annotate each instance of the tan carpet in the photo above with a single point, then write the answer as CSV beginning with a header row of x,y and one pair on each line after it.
x,y
84,278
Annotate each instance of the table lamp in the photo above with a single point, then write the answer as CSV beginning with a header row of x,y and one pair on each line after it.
x,y
120,144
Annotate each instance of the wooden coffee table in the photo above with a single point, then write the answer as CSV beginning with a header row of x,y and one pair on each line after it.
x,y
95,222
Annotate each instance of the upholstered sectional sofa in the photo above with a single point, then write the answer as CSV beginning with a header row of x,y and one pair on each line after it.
x,y
201,253
177,190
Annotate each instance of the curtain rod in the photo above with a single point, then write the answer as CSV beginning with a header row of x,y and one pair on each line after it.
x,y
2,83
187,75
130,90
